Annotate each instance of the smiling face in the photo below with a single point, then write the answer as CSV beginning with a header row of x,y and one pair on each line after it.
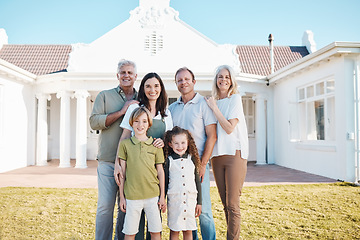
x,y
152,89
179,144
126,76
141,125
185,83
223,81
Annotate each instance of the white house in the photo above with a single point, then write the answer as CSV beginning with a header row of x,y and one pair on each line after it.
x,y
301,108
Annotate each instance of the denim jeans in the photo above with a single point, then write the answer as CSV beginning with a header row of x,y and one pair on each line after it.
x,y
107,194
207,225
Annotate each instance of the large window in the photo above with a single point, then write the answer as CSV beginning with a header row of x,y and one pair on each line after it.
x,y
317,111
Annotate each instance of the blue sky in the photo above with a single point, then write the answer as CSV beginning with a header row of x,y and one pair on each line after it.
x,y
228,21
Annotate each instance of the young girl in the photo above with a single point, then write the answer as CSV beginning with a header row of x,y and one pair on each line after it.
x,y
144,179
182,182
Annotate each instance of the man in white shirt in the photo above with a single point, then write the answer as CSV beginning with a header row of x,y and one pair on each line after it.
x,y
191,112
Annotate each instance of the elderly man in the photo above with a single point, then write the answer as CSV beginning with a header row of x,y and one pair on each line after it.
x,y
107,114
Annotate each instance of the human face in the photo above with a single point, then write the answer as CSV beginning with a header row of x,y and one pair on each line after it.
x,y
141,125
223,81
185,83
179,144
152,89
127,76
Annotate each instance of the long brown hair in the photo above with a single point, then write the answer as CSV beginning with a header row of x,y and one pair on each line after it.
x,y
161,102
192,150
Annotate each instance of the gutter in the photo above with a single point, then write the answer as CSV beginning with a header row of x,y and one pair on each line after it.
x,y
357,120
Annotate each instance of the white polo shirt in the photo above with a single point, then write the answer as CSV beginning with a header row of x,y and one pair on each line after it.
x,y
193,116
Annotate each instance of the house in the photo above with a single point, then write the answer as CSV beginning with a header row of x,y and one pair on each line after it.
x,y
301,104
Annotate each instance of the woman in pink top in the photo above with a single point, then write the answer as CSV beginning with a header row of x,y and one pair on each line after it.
x,y
231,148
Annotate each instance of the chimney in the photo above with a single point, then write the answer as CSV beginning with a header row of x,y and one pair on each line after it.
x,y
3,37
271,40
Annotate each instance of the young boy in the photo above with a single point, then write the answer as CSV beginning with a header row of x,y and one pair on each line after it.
x,y
144,178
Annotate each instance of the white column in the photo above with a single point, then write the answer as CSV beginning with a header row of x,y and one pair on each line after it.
x,y
42,130
260,129
81,128
64,128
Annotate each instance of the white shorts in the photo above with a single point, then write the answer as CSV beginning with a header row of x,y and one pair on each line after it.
x,y
133,214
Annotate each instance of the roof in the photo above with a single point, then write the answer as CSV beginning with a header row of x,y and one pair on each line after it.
x,y
37,59
46,59
256,59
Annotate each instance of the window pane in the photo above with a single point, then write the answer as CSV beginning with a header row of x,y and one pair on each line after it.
x,y
330,86
320,89
302,122
315,120
330,123
310,91
301,93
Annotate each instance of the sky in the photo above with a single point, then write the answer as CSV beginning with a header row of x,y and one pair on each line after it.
x,y
240,22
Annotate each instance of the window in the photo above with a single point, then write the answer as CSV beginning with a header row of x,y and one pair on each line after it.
x,y
249,112
316,104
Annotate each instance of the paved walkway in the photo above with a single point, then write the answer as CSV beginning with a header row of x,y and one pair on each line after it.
x,y
54,177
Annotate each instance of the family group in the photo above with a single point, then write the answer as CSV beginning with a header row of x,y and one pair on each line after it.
x,y
153,157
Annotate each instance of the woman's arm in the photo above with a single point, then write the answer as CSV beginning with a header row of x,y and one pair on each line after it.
x,y
227,125
117,168
121,187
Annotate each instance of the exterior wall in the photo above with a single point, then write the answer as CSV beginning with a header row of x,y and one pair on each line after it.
x,y
17,125
321,157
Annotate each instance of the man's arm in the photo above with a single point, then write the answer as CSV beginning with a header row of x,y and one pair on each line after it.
x,y
211,137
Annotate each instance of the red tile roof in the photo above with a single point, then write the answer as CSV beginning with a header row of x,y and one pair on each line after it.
x,y
46,59
256,59
37,59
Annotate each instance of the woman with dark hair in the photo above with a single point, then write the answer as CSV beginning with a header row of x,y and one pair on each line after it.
x,y
151,95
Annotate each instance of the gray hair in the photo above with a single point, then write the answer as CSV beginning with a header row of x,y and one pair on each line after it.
x,y
124,62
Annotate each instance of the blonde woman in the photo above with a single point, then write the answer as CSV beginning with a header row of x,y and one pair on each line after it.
x,y
231,148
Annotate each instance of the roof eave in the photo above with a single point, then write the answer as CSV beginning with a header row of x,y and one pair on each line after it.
x,y
15,72
326,52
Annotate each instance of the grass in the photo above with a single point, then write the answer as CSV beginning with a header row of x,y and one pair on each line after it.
x,y
319,211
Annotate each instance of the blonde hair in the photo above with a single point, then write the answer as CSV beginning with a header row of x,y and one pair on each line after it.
x,y
136,114
233,88
192,150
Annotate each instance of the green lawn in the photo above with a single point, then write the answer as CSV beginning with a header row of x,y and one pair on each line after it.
x,y
320,211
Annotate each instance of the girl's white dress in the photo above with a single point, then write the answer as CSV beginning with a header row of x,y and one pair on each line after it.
x,y
181,194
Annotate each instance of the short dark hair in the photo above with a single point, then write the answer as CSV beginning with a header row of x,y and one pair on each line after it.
x,y
184,69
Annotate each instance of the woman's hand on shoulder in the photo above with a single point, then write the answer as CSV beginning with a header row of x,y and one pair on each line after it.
x,y
211,102
158,142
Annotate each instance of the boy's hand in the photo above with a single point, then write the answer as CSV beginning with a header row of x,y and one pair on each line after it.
x,y
162,204
198,210
123,204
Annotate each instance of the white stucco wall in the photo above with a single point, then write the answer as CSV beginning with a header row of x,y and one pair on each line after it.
x,y
325,158
17,133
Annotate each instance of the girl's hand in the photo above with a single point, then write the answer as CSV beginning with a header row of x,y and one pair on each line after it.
x,y
117,172
162,204
198,210
123,204
158,143
211,102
